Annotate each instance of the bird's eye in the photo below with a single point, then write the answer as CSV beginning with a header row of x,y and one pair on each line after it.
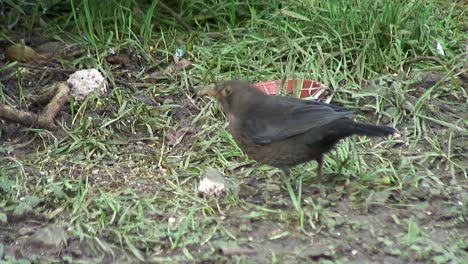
x,y
227,91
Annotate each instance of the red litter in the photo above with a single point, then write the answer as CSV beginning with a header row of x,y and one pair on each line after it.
x,y
309,88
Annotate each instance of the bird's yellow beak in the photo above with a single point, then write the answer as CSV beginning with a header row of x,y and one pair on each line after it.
x,y
208,91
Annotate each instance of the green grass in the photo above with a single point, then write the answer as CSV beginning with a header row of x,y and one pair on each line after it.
x,y
121,174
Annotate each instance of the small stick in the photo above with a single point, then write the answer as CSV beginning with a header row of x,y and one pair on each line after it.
x,y
428,58
460,73
181,21
47,68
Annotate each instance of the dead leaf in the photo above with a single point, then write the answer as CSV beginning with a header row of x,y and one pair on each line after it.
x,y
178,66
174,137
117,59
23,53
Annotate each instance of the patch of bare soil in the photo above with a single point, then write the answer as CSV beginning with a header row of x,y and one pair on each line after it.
x,y
33,240
417,226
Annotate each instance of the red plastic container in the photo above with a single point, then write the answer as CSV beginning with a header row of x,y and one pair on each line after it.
x,y
309,88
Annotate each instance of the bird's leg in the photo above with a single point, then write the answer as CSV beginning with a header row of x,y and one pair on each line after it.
x,y
320,166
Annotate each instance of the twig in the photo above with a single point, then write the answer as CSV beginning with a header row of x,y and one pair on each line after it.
x,y
47,68
460,73
171,12
428,58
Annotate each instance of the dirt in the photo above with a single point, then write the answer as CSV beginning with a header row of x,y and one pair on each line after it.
x,y
353,236
366,234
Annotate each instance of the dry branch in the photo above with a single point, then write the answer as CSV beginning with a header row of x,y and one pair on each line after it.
x,y
56,98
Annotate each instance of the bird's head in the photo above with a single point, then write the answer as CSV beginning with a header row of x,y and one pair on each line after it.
x,y
234,96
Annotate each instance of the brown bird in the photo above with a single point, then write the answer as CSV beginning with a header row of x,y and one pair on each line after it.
x,y
282,131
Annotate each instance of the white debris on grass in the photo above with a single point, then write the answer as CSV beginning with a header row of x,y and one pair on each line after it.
x,y
84,82
439,48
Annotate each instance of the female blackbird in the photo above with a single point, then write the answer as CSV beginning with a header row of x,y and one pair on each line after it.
x,y
283,131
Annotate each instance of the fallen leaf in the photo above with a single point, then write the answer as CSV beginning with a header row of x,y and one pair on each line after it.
x,y
23,53
178,66
117,59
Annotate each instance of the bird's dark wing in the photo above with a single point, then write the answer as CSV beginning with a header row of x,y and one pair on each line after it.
x,y
286,118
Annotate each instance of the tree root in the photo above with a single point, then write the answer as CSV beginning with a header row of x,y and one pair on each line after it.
x,y
55,99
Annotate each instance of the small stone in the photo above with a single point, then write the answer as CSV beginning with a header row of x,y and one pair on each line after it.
x,y
213,184
84,82
171,221
49,237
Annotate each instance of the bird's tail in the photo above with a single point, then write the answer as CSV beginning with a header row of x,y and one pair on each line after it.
x,y
371,130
